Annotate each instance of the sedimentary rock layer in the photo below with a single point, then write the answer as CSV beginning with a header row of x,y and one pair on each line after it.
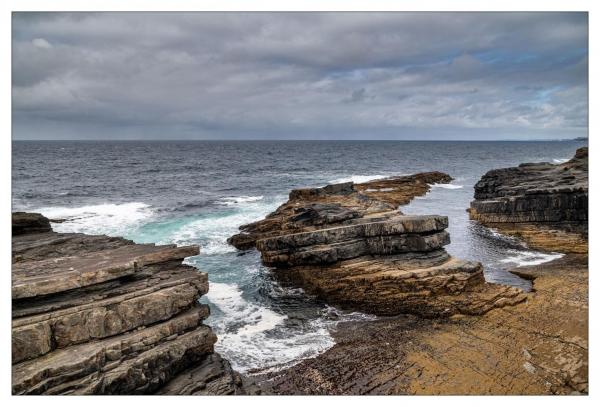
x,y
429,284
311,208
542,203
539,346
399,234
102,315
351,246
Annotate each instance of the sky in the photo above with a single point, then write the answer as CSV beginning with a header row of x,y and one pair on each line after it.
x,y
354,75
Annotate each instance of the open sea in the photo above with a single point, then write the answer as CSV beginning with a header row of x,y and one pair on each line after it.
x,y
200,192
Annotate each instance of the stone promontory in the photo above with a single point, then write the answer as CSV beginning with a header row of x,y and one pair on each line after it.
x,y
350,245
539,346
543,203
102,315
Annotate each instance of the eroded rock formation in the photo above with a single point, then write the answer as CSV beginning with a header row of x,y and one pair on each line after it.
x,y
102,315
338,204
545,204
351,246
539,346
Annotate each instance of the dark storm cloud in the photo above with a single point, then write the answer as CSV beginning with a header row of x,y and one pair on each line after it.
x,y
282,75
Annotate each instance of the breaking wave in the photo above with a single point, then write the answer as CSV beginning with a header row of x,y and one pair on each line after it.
x,y
110,219
357,179
236,200
446,186
528,258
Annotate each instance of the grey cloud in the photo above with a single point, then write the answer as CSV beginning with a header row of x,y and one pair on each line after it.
x,y
286,75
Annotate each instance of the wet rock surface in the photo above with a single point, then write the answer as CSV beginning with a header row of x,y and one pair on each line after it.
x,y
102,315
24,222
545,204
336,205
350,245
539,346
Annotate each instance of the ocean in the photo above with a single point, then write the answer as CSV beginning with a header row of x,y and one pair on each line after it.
x,y
200,192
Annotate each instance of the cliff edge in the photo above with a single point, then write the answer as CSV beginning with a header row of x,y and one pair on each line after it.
x,y
103,315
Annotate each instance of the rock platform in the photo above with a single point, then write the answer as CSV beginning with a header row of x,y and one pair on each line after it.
x,y
102,315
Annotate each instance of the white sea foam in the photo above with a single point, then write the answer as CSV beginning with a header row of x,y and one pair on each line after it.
x,y
228,298
214,230
236,200
357,179
507,238
560,160
252,336
446,186
111,219
246,336
529,258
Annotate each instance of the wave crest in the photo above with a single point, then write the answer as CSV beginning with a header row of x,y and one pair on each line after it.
x,y
110,219
236,200
528,258
357,179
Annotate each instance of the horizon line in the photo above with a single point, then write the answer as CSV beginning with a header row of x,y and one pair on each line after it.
x,y
428,140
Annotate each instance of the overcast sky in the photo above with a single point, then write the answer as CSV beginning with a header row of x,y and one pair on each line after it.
x,y
299,75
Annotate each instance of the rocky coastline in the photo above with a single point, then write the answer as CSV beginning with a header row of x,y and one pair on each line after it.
x,y
534,345
351,246
102,315
542,203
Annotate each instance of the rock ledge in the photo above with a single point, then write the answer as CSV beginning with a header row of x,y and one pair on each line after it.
x,y
102,315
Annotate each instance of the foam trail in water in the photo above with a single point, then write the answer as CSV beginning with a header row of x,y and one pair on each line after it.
x,y
560,160
528,258
446,186
236,200
247,334
110,219
357,179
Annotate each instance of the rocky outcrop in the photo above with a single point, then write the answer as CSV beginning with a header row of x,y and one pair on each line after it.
x,y
102,315
545,204
539,346
349,245
311,208
24,222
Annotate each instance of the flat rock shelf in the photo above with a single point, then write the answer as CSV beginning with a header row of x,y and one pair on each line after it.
x,y
102,315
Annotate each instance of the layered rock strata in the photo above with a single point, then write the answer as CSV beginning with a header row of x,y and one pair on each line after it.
x,y
349,245
338,204
545,204
539,346
102,315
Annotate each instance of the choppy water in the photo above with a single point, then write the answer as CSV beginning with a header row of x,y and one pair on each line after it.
x,y
200,192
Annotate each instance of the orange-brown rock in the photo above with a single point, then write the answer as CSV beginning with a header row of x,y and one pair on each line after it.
x,y
539,346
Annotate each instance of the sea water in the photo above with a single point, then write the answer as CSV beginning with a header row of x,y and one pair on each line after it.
x,y
200,192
